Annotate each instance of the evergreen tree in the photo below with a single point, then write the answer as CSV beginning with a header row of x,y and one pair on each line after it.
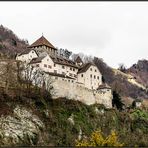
x,y
117,101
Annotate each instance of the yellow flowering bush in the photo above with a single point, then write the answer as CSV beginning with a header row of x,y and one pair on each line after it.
x,y
97,139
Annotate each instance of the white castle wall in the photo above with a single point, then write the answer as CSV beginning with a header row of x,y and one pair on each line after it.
x,y
71,90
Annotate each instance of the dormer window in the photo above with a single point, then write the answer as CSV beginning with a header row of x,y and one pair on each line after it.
x,y
90,69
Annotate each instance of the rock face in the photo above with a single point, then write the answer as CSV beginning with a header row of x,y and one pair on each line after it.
x,y
20,128
140,72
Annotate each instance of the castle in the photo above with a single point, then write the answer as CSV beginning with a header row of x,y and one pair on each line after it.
x,y
72,79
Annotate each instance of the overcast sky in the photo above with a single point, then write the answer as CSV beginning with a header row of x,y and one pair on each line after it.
x,y
114,31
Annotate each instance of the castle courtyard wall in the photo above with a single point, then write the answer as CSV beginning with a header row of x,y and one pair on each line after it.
x,y
68,88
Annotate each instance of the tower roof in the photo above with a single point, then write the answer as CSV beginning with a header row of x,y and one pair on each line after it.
x,y
42,41
78,60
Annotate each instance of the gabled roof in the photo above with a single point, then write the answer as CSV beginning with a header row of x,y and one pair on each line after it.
x,y
104,86
37,60
63,61
85,67
42,41
78,60
26,51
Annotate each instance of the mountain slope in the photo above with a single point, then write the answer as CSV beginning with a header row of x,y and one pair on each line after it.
x,y
10,44
140,72
121,82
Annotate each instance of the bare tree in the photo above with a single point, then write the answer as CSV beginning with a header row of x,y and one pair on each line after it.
x,y
122,67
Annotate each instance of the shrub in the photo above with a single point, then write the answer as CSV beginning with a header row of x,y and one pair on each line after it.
x,y
97,139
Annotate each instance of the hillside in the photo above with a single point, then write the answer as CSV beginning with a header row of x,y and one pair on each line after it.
x,y
35,119
29,116
124,83
140,72
10,44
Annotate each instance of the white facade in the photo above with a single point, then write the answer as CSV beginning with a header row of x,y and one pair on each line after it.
x,y
91,78
66,70
47,65
27,57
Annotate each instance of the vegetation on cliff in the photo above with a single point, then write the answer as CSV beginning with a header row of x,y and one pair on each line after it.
x,y
65,121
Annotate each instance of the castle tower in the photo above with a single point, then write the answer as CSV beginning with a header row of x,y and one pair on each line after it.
x,y
42,44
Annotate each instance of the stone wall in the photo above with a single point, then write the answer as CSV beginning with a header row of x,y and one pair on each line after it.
x,y
75,91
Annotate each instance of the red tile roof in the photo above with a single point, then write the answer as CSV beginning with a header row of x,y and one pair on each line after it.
x,y
42,41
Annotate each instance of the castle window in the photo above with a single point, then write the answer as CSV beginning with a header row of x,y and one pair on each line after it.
x,y
91,75
45,65
71,74
63,67
63,73
94,77
81,75
49,66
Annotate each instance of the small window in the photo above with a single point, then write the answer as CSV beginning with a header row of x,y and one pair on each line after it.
x,y
95,70
63,67
90,69
32,51
94,77
45,65
47,59
49,66
54,65
70,68
98,77
81,75
73,69
91,75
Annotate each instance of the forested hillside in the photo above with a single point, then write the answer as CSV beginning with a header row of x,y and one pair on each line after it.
x,y
10,44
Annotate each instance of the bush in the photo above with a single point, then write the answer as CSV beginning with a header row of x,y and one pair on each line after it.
x,y
97,139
